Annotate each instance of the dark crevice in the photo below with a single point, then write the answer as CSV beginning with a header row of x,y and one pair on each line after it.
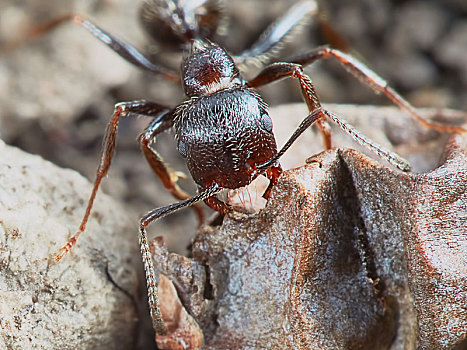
x,y
217,220
123,290
462,345
208,292
388,322
129,295
367,255
368,258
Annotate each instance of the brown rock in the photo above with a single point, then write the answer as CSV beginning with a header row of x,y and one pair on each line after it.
x,y
183,333
347,254
437,250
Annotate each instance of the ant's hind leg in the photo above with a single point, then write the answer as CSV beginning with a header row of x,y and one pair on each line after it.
x,y
273,38
374,81
108,146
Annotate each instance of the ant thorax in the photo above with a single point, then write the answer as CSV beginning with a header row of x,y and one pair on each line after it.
x,y
240,136
207,69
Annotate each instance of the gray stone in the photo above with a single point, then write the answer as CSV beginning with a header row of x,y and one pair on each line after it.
x,y
88,299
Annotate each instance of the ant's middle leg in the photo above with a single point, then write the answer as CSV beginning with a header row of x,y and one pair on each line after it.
x,y
374,81
167,176
108,147
278,71
325,130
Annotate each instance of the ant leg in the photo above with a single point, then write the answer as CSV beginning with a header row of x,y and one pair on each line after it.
x,y
108,147
179,22
215,203
153,215
273,38
325,130
305,124
273,173
165,174
374,81
123,49
278,71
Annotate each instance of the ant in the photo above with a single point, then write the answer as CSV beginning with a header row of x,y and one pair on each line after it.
x,y
223,130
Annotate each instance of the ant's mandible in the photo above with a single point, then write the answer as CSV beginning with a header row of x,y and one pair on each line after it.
x,y
223,130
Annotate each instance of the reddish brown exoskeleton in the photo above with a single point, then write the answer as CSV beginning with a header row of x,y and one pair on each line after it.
x,y
223,129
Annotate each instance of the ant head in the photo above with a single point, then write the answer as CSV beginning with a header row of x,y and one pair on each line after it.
x,y
207,69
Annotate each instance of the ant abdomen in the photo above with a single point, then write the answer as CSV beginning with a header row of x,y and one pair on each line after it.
x,y
176,23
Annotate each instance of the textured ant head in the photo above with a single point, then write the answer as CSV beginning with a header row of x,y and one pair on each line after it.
x,y
207,69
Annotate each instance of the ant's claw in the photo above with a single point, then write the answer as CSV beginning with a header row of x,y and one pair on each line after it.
x,y
61,253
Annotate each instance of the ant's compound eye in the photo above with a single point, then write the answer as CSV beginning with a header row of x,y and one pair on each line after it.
x,y
266,122
182,148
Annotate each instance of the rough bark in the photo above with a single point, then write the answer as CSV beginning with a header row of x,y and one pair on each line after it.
x,y
347,254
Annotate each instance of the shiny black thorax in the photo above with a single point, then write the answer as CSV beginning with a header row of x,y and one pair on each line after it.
x,y
240,137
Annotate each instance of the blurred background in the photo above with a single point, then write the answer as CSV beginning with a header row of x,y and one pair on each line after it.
x,y
57,92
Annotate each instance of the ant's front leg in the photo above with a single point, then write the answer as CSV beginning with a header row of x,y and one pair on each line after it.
x,y
373,80
108,146
278,71
151,281
272,173
167,176
217,205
